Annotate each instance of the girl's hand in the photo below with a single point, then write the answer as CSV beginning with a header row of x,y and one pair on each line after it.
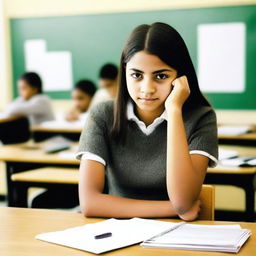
x,y
178,94
193,213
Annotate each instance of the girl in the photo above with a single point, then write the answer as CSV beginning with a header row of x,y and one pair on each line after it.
x,y
146,154
32,102
82,96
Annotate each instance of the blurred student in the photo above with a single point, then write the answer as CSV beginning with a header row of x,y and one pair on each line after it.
x,y
82,96
31,102
108,84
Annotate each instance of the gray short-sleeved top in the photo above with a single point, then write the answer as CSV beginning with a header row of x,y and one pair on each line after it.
x,y
138,168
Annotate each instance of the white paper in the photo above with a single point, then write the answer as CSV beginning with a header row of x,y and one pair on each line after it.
x,y
221,57
54,67
234,130
226,238
124,233
225,154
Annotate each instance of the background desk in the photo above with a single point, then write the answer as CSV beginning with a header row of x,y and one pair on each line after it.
x,y
25,156
18,228
41,133
244,139
21,157
243,177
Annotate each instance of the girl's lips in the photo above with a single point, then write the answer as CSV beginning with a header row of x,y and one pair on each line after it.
x,y
145,100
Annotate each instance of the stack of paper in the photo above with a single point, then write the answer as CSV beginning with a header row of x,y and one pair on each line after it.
x,y
155,234
222,238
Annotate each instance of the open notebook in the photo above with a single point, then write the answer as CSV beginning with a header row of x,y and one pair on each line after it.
x,y
161,234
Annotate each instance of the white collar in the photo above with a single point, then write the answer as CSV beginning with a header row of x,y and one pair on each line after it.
x,y
145,129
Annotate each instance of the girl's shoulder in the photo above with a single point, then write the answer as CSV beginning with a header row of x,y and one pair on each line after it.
x,y
199,114
103,111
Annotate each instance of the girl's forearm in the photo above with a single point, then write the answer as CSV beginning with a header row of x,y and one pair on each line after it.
x,y
183,184
104,205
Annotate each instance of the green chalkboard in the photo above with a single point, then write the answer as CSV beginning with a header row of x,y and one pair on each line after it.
x,y
96,39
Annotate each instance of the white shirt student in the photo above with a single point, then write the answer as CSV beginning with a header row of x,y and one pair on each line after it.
x,y
108,84
31,101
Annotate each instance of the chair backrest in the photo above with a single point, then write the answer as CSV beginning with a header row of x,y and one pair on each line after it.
x,y
207,197
15,130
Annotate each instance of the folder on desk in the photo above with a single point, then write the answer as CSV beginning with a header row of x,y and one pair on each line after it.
x,y
160,234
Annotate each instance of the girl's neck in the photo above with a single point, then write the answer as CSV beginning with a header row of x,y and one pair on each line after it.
x,y
148,117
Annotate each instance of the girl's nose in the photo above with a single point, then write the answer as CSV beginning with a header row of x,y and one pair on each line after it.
x,y
147,87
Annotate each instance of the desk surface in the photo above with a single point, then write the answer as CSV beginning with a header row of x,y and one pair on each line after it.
x,y
70,129
33,153
41,129
242,151
18,228
248,136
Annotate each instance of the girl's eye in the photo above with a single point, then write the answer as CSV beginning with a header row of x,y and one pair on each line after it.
x,y
136,75
161,76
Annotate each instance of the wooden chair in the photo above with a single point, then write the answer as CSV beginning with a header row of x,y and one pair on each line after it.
x,y
14,129
207,197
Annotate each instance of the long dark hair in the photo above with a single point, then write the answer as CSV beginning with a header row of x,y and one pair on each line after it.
x,y
166,43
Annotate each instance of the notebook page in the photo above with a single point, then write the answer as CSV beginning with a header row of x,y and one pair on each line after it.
x,y
124,233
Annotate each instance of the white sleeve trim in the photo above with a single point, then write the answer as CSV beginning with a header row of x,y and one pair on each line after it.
x,y
90,156
200,152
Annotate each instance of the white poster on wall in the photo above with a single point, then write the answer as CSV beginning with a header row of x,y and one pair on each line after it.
x,y
221,57
54,67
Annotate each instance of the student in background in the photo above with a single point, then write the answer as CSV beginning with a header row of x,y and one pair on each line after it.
x,y
82,95
108,84
31,101
146,153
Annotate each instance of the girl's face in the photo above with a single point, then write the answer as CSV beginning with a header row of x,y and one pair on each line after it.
x,y
81,99
149,81
26,91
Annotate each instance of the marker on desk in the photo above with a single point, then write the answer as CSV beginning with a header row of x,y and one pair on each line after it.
x,y
104,235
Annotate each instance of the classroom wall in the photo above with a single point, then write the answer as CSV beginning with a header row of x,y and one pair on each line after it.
x,y
43,8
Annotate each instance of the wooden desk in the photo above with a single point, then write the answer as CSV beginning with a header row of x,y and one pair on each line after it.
x,y
41,133
56,129
244,139
242,177
21,157
27,156
33,153
246,136
18,227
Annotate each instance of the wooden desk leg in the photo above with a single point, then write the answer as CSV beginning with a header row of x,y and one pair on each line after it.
x,y
20,194
11,168
10,193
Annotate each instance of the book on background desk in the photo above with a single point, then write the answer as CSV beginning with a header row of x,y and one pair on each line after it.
x,y
228,130
56,144
153,233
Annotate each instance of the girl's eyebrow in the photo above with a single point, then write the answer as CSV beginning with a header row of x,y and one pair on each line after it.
x,y
155,72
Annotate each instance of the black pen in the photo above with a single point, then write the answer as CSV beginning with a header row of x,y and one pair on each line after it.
x,y
104,235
